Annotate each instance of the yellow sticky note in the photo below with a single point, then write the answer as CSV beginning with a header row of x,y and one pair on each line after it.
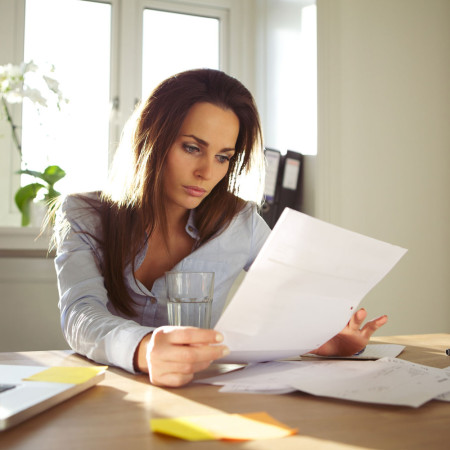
x,y
182,428
223,426
69,375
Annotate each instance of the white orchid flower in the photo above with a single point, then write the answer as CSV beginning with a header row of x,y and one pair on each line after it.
x,y
35,96
19,81
13,97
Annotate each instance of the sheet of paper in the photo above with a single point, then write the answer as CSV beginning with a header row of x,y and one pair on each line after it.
x,y
390,381
268,377
372,351
251,389
251,426
445,397
302,289
385,381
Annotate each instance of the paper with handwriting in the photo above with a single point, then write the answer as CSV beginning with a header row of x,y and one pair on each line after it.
x,y
445,397
388,380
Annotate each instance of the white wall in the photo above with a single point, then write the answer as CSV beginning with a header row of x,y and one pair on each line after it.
x,y
10,14
285,85
384,150
29,318
384,145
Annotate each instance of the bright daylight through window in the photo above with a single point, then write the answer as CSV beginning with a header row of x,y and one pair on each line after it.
x,y
75,138
191,41
108,54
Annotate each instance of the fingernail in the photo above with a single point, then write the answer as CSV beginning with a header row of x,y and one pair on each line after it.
x,y
225,351
219,337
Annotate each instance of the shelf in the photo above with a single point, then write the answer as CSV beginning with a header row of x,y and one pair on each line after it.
x,y
23,242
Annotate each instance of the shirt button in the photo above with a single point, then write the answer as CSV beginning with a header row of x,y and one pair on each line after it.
x,y
153,300
190,228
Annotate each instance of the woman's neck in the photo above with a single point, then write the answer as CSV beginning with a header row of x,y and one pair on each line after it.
x,y
162,256
176,219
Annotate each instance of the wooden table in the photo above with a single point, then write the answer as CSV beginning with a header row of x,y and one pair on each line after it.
x,y
115,414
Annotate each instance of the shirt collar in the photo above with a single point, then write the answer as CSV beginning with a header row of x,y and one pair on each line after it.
x,y
191,229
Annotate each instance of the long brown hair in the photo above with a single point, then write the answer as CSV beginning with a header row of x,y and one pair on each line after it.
x,y
134,202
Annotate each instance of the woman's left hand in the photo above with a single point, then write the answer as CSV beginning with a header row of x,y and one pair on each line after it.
x,y
352,338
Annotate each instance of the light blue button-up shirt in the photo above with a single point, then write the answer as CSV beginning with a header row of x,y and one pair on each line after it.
x,y
91,324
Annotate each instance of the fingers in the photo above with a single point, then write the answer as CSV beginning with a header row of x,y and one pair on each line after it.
x,y
358,318
189,354
174,354
191,335
175,374
370,327
187,344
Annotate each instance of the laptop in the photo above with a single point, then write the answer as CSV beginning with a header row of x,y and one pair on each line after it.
x,y
26,391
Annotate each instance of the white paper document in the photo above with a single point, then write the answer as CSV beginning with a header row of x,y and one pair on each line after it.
x,y
385,381
445,397
372,351
302,289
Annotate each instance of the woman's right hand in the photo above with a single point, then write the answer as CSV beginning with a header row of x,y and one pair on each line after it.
x,y
175,354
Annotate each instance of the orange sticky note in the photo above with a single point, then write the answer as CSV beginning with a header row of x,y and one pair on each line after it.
x,y
240,427
68,375
266,418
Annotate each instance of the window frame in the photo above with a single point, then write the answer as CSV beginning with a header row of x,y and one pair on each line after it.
x,y
131,29
125,84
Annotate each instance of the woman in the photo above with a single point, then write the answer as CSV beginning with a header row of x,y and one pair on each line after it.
x,y
173,206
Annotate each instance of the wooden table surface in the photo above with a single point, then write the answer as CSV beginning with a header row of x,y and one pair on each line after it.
x,y
115,414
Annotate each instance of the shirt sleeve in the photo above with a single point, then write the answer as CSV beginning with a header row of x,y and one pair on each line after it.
x,y
87,324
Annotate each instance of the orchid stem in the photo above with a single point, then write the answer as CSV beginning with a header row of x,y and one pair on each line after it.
x,y
13,128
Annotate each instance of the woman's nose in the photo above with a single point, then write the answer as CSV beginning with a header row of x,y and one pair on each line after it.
x,y
205,168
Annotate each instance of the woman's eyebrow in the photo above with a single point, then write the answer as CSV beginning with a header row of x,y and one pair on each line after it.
x,y
228,150
200,141
205,144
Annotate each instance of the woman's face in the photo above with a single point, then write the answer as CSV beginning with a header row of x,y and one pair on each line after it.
x,y
200,156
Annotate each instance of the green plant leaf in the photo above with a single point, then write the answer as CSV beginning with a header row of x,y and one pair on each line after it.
x,y
23,198
52,174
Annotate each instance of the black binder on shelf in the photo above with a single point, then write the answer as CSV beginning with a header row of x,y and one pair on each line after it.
x,y
290,184
273,172
283,184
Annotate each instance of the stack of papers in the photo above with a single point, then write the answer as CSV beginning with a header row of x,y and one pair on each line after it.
x,y
388,380
302,289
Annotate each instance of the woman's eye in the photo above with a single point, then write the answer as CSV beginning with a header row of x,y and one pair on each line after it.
x,y
223,158
190,148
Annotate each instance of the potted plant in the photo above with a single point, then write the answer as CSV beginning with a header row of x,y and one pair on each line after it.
x,y
19,82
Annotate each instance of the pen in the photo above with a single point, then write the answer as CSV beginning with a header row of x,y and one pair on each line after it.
x,y
447,352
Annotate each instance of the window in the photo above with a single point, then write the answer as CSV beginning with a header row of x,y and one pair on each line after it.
x,y
75,138
107,54
290,100
190,41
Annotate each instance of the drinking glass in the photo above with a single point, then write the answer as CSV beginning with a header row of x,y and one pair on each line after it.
x,y
190,296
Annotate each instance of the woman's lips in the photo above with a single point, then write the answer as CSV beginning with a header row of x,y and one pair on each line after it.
x,y
194,191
